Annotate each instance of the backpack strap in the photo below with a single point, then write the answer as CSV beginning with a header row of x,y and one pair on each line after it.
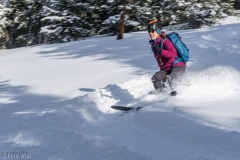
x,y
177,58
161,43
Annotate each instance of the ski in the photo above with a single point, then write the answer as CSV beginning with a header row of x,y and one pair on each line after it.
x,y
137,108
125,108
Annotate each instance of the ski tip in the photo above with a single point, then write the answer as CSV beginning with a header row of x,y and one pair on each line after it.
x,y
173,93
122,108
125,108
137,109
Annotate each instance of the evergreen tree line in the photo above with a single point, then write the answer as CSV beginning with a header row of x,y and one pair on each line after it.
x,y
31,22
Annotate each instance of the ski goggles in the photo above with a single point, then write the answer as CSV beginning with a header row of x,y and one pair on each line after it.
x,y
151,31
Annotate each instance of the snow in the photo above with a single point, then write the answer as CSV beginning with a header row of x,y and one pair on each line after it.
x,y
50,10
55,100
52,18
112,19
48,30
132,23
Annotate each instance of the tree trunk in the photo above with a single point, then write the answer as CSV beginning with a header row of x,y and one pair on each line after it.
x,y
121,26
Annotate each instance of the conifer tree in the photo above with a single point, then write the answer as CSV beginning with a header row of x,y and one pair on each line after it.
x,y
17,28
60,22
23,23
5,24
237,4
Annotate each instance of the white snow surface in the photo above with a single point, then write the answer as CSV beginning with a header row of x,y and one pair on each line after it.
x,y
55,100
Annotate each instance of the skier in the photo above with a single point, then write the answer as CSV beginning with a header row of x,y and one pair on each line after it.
x,y
165,57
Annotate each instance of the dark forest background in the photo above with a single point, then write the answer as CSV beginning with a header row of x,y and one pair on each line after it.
x,y
31,22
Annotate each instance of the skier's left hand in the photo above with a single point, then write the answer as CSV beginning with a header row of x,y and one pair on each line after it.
x,y
157,50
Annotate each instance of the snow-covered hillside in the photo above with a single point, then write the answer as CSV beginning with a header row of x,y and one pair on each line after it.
x,y
55,100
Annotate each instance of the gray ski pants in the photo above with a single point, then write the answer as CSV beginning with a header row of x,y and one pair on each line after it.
x,y
160,77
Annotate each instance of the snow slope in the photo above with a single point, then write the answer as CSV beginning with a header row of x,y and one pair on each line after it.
x,y
55,100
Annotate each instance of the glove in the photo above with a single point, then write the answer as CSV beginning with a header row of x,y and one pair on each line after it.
x,y
157,50
151,42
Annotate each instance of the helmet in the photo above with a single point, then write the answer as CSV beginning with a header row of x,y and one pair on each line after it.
x,y
154,25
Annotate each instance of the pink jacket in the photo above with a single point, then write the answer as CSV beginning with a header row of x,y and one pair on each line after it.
x,y
168,56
